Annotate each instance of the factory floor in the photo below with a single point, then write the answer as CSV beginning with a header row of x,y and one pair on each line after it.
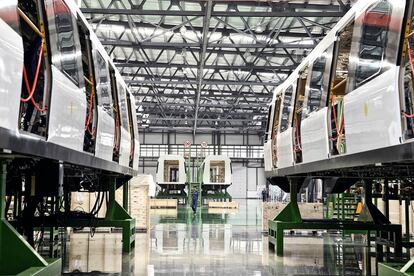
x,y
218,242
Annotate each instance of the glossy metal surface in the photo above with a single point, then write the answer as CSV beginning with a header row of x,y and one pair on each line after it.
x,y
315,143
11,66
372,114
135,127
233,247
285,148
67,112
267,149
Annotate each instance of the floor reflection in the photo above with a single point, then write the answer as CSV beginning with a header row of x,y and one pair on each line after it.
x,y
201,248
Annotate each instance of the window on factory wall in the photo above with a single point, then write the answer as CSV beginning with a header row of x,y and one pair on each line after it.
x,y
103,85
287,109
373,42
64,39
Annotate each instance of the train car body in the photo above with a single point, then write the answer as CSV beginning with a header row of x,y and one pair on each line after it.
x,y
171,171
62,99
349,103
217,173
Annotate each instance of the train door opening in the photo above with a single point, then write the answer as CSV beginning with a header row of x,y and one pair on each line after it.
x,y
171,169
131,131
297,114
217,171
407,75
337,91
275,129
91,121
116,112
35,94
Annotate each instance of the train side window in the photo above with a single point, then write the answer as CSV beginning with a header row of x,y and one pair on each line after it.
x,y
103,86
317,91
276,116
64,38
287,109
123,106
373,42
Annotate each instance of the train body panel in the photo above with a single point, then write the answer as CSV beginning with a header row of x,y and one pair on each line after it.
x,y
11,66
135,128
105,135
285,148
67,112
267,154
372,114
125,146
315,143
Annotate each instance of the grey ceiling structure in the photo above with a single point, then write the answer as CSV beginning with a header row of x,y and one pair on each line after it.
x,y
203,66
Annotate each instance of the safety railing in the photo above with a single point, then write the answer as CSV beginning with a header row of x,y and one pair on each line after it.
x,y
232,151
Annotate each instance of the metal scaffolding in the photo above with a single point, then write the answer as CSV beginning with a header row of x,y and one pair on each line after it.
x,y
212,64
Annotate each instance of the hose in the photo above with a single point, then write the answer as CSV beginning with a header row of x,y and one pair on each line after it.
x,y
298,142
88,120
36,78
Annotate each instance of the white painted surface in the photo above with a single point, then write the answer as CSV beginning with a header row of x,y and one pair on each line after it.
x,y
67,112
372,114
314,134
285,149
11,68
268,156
105,135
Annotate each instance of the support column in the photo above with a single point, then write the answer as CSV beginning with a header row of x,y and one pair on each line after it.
x,y
125,196
290,214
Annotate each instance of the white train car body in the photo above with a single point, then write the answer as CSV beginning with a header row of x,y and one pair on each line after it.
x,y
171,170
217,172
347,95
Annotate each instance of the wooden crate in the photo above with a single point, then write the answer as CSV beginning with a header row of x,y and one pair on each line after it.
x,y
139,201
163,203
229,205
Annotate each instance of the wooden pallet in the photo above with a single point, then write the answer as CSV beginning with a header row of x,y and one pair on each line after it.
x,y
157,203
229,205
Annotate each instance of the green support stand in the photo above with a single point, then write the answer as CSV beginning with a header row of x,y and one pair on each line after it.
x,y
125,195
289,214
396,269
117,216
17,257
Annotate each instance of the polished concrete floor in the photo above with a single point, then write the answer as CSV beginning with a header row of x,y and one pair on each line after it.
x,y
219,242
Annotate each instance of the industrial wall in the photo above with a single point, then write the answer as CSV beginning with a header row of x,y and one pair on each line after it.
x,y
248,176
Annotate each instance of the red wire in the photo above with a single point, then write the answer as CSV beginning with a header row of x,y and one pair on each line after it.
x,y
299,147
88,120
407,115
32,90
410,56
335,119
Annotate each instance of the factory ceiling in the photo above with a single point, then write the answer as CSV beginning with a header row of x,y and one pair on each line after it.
x,y
203,66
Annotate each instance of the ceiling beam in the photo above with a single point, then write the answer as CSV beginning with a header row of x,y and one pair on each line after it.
x,y
194,82
181,45
248,67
